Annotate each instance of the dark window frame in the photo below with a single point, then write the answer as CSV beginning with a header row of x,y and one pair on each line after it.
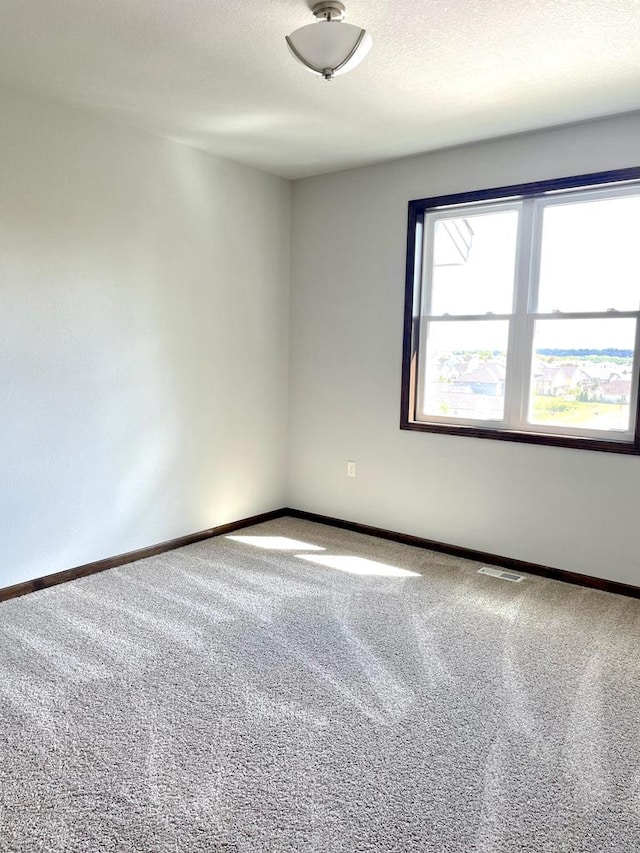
x,y
416,213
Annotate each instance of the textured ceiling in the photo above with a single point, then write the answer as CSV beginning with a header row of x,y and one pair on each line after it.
x,y
217,74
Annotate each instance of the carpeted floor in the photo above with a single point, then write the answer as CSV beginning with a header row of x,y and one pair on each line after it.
x,y
229,697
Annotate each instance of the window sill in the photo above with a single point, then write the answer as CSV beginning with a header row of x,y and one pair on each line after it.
x,y
603,445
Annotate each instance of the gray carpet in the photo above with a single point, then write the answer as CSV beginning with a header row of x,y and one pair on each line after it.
x,y
226,697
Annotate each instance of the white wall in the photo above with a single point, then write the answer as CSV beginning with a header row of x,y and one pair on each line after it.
x,y
144,299
572,509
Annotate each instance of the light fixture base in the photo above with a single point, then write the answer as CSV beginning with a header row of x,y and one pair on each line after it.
x,y
330,10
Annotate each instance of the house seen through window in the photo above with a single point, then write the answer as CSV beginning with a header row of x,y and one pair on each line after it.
x,y
522,309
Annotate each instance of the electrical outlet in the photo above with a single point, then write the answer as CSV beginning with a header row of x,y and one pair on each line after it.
x,y
351,469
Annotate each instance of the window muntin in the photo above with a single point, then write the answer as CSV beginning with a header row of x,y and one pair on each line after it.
x,y
530,332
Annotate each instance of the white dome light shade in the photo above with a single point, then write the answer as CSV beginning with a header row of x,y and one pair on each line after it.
x,y
329,48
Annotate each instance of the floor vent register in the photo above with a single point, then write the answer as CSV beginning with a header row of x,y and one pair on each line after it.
x,y
498,573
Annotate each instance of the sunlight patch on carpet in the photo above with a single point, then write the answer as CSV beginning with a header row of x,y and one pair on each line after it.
x,y
276,543
359,566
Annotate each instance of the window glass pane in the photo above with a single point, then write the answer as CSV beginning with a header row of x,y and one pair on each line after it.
x,y
589,259
474,263
464,369
582,373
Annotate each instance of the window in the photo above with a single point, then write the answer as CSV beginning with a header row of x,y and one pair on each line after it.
x,y
522,310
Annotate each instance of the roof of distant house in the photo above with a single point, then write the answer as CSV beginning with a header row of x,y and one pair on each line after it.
x,y
561,371
617,387
485,373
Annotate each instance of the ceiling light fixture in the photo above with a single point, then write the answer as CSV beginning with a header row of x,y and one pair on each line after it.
x,y
329,47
